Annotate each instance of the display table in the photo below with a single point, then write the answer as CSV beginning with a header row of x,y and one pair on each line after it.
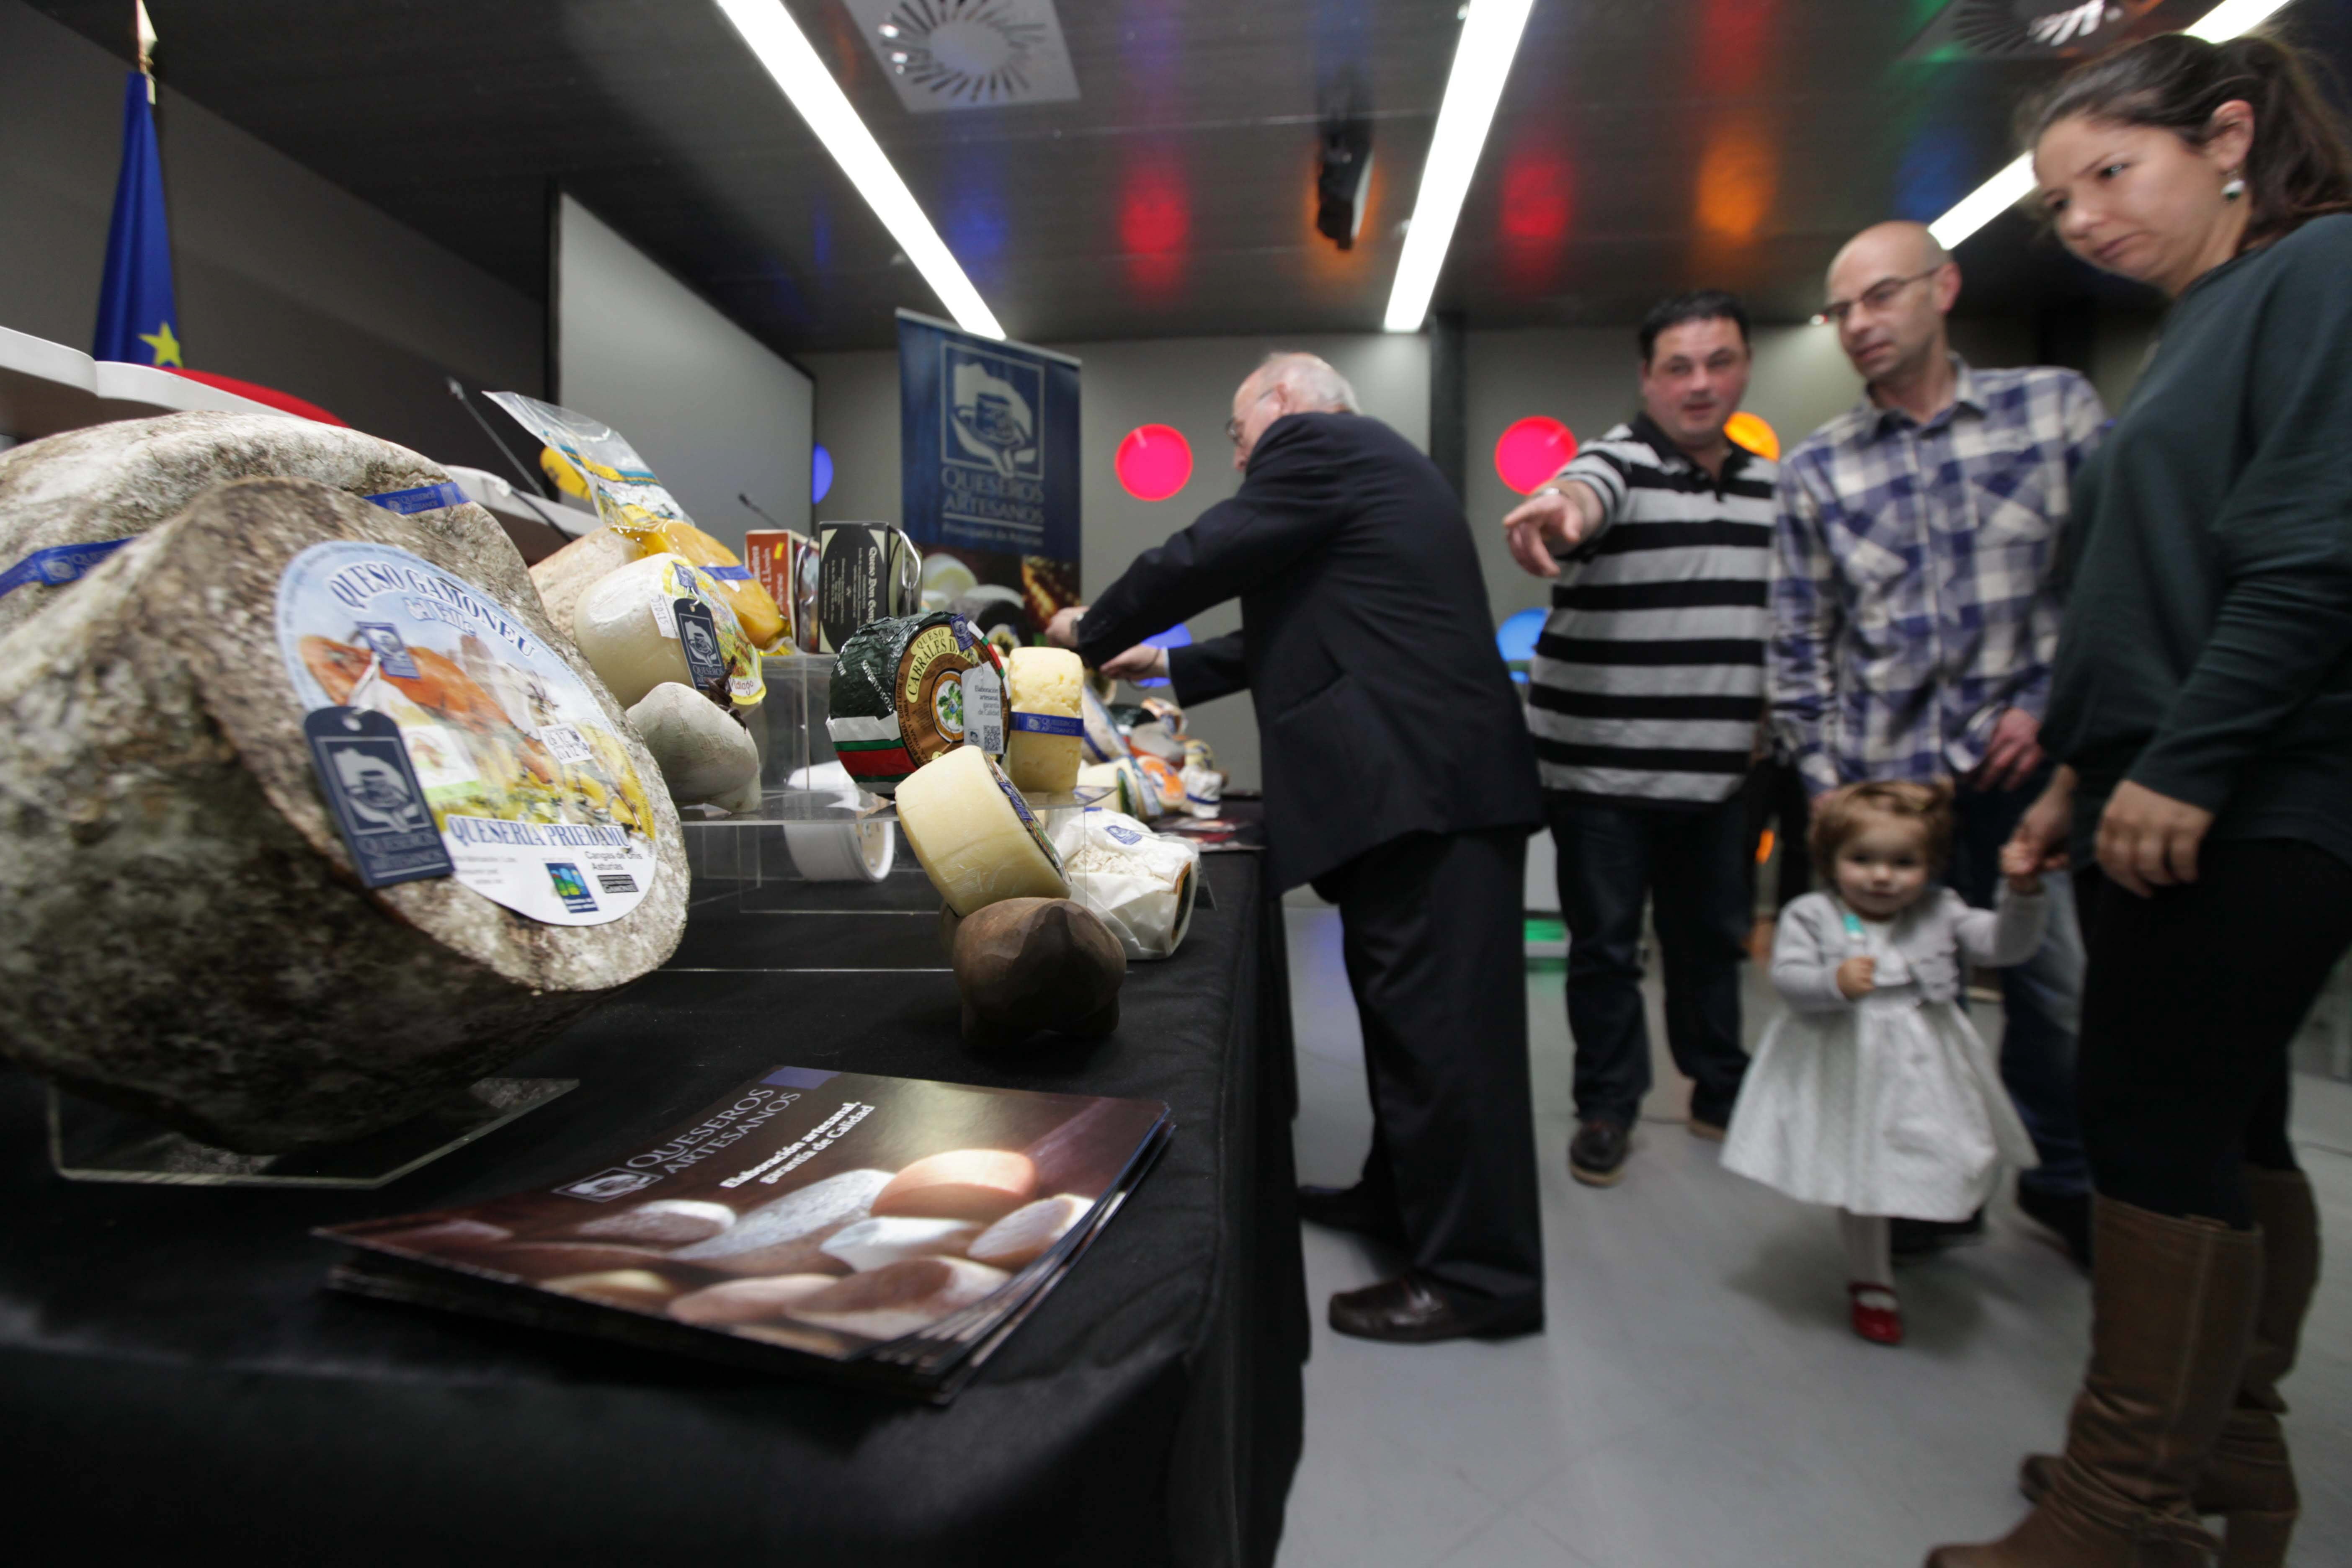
x,y
175,1380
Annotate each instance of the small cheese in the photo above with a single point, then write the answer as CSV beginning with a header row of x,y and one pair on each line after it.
x,y
639,1290
1028,1232
983,1184
739,1301
666,1222
1044,688
579,566
1129,793
902,1298
877,1243
974,835
627,625
704,753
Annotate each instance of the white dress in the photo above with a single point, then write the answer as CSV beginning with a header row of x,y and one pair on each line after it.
x,y
1892,1104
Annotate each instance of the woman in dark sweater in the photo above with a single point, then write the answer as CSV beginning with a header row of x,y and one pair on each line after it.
x,y
2203,704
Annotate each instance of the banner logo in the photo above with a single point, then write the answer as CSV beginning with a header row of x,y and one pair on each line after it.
x,y
992,409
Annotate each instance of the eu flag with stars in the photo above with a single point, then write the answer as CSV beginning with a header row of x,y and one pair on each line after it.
x,y
137,320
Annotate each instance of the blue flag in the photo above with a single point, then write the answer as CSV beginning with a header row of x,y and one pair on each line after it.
x,y
137,320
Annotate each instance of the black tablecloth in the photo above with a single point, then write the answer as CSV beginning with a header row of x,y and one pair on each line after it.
x,y
175,1380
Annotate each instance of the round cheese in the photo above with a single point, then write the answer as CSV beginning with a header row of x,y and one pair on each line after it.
x,y
704,753
1044,694
897,700
976,837
628,626
841,851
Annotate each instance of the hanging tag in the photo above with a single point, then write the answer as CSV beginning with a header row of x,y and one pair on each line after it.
x,y
983,709
389,648
697,635
370,786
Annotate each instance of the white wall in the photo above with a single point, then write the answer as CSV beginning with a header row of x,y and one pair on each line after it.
x,y
716,412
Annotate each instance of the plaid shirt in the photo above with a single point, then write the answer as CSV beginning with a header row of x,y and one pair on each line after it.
x,y
1913,595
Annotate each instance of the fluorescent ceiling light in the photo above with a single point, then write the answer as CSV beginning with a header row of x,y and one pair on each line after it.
x,y
2015,182
781,47
1482,62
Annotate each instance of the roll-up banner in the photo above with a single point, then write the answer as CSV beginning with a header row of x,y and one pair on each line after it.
x,y
988,475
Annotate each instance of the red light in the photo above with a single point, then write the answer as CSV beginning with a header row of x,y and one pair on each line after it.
x,y
1155,221
1533,450
1154,462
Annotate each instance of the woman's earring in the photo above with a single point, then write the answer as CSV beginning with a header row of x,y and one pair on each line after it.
x,y
2234,187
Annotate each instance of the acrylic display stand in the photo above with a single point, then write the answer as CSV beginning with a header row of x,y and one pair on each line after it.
x,y
90,1142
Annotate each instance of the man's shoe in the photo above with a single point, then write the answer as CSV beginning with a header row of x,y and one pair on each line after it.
x,y
2065,1214
1351,1208
1596,1155
1918,1237
1415,1310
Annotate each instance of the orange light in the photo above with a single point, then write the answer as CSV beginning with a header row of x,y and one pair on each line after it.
x,y
1764,847
1744,429
1738,173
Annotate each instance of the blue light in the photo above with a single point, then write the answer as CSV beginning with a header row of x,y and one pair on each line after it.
x,y
1177,636
820,474
1516,640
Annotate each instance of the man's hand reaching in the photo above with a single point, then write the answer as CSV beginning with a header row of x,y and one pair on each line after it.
x,y
1570,515
1138,663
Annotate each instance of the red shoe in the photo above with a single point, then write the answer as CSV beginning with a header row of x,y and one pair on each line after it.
x,y
1879,1325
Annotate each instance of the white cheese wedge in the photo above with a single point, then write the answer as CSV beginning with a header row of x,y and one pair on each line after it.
x,y
1044,693
974,835
1028,1231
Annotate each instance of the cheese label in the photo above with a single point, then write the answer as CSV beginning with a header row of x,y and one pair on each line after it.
x,y
1048,724
530,796
697,634
375,795
1021,808
59,564
930,691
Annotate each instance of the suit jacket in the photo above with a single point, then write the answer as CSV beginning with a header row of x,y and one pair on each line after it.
x,y
1383,708
1931,935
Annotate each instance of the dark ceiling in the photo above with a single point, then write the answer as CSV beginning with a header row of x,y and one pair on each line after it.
x,y
1642,146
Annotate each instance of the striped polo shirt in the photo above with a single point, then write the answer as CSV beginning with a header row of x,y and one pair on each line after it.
x,y
1647,685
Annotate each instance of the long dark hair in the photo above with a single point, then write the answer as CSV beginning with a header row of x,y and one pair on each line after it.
x,y
2298,168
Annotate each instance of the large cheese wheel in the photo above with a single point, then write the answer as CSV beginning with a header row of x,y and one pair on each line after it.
x,y
975,835
1044,693
896,699
117,481
579,566
182,932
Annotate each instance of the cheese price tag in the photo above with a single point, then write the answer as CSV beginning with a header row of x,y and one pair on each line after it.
x,y
697,635
370,786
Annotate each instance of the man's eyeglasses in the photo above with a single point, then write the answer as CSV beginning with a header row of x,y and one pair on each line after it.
x,y
1875,298
1234,426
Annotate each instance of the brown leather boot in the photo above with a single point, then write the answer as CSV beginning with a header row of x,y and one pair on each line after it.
x,y
2248,1480
2172,1303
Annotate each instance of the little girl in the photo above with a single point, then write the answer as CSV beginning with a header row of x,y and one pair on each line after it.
x,y
1874,1093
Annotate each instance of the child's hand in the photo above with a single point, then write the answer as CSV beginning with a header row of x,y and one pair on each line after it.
x,y
1857,977
2022,866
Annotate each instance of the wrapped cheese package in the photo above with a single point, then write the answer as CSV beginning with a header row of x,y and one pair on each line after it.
x,y
633,503
976,837
1099,740
639,626
1138,883
1044,688
906,690
1124,780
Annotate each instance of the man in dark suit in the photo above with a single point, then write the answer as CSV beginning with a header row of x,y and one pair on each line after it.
x,y
1400,782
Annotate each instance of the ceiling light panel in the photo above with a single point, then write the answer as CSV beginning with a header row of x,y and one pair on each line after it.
x,y
2015,182
1482,63
778,43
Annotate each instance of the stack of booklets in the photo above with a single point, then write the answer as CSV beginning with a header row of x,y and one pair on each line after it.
x,y
883,1231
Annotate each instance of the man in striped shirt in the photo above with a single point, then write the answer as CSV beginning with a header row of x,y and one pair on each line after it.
x,y
1646,695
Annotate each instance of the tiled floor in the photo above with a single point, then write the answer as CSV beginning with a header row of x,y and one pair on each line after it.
x,y
1698,1401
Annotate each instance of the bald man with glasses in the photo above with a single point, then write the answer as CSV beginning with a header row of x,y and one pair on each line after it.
x,y
1914,612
